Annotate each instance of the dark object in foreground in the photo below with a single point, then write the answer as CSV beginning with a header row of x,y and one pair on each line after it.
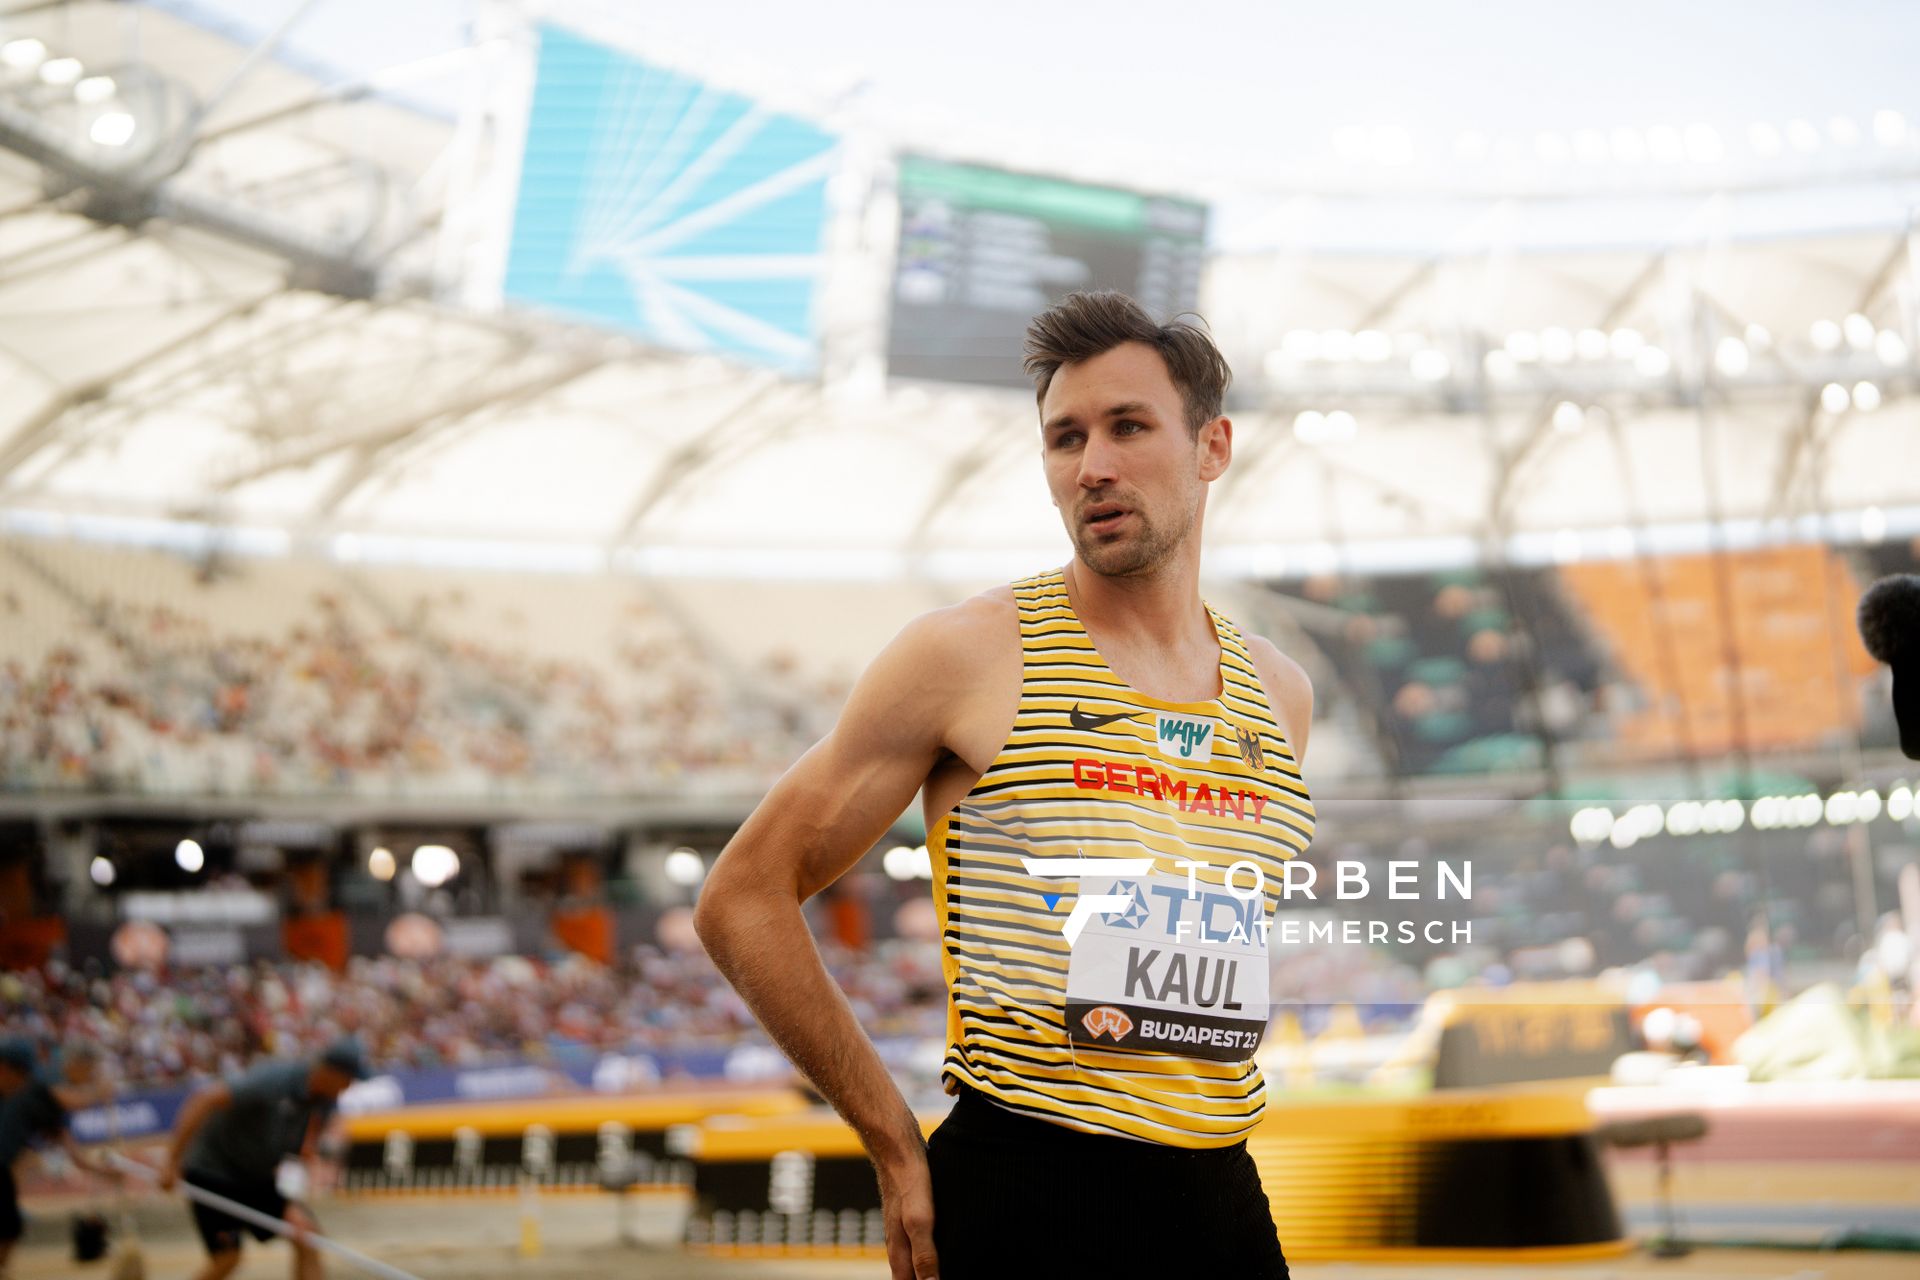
x,y
89,1237
1660,1133
1890,628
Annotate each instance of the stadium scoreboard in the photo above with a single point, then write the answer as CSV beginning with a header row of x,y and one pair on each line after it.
x,y
984,250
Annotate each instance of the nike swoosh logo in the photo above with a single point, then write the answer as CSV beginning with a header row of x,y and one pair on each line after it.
x,y
1080,720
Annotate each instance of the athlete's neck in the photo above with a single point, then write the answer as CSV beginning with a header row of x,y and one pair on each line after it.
x,y
1160,611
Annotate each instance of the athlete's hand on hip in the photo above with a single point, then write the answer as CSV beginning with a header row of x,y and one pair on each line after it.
x,y
906,1198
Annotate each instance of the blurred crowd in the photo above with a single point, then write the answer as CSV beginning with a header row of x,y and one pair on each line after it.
x,y
167,703
192,1024
1686,915
1437,661
185,1025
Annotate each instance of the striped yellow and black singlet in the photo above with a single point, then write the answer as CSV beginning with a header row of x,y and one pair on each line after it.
x,y
1094,769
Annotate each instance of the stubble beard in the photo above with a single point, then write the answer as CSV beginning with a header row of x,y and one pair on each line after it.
x,y
1139,556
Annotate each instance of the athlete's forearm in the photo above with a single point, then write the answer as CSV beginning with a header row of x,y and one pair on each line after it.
x,y
760,942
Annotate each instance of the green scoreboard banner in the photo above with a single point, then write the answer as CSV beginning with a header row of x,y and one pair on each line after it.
x,y
983,250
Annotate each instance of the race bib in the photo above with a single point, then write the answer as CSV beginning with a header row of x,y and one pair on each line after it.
x,y
1177,971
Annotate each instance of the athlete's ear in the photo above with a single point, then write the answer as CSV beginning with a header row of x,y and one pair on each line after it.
x,y
1216,448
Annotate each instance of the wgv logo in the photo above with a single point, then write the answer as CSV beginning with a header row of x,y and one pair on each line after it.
x,y
1185,737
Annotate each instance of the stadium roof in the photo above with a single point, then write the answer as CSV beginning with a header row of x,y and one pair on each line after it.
x,y
251,330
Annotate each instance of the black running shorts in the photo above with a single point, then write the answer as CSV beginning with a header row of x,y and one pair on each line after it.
x,y
1018,1195
12,1225
219,1230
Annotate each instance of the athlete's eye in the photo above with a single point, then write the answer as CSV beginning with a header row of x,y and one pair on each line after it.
x,y
1066,438
1137,426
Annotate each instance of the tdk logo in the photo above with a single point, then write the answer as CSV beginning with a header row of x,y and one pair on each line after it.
x,y
1131,917
1185,737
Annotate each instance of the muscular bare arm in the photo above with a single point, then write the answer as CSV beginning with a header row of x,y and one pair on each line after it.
x,y
1288,690
825,813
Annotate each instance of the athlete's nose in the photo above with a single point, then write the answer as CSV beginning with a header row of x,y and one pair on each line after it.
x,y
1098,461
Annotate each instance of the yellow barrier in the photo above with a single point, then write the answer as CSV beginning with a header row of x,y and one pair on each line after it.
x,y
573,1114
1490,1176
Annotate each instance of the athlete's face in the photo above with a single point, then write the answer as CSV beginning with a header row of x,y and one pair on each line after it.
x,y
1128,476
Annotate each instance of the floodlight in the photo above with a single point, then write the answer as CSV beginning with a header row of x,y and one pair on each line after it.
x,y
112,129
1730,357
1430,365
61,71
24,54
684,867
1703,144
435,864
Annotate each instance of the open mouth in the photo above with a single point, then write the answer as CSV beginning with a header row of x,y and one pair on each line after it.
x,y
1104,517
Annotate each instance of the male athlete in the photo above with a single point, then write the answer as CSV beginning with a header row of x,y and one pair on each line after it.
x,y
1110,773
233,1137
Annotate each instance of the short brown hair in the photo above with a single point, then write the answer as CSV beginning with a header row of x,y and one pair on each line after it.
x,y
1083,325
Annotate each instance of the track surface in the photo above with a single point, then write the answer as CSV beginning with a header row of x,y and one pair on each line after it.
x,y
444,1237
582,1238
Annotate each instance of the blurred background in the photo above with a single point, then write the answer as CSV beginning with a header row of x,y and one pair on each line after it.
x,y
453,457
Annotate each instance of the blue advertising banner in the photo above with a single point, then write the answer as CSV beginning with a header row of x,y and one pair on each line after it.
x,y
147,1113
689,216
133,1115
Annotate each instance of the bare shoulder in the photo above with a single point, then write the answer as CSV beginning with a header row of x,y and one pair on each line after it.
x,y
931,677
1288,689
962,637
1279,674
993,612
